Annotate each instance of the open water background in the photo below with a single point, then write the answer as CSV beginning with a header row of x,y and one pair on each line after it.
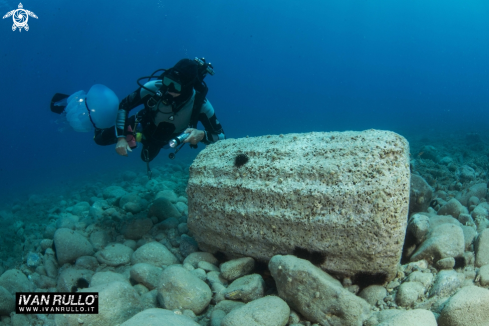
x,y
415,67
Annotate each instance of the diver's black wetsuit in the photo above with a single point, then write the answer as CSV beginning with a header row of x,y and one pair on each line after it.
x,y
160,123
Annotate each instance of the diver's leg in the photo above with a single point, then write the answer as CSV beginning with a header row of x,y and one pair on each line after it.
x,y
107,136
149,152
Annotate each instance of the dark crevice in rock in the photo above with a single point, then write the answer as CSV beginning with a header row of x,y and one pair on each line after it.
x,y
315,257
409,242
81,283
221,257
364,279
55,254
459,262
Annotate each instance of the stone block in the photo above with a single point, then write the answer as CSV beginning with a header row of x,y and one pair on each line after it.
x,y
344,195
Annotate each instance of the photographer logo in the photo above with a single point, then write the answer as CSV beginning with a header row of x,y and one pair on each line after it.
x,y
20,17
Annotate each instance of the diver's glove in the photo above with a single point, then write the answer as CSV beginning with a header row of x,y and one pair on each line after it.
x,y
122,147
195,136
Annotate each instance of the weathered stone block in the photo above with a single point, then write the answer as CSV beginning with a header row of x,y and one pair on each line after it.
x,y
344,195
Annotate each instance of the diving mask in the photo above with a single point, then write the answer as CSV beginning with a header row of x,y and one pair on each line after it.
x,y
167,81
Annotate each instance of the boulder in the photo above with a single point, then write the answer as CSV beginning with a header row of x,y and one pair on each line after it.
x,y
408,293
133,207
115,255
169,223
228,305
70,245
80,208
20,320
246,288
420,194
149,299
103,278
159,317
484,275
215,277
446,283
43,281
319,297
216,317
118,302
424,278
415,317
168,194
208,267
163,208
195,257
340,195
71,279
188,245
373,293
98,208
67,221
482,249
131,203
50,265
469,236
180,289
418,226
182,228
478,190
7,302
444,240
267,311
113,194
236,268
454,208
445,263
87,262
146,274
465,308
99,239
14,280
465,173
154,253
135,229
480,211
182,208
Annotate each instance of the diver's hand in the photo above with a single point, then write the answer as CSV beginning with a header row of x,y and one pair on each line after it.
x,y
122,147
195,136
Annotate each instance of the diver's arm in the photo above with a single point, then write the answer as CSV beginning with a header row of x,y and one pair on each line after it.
x,y
213,129
127,104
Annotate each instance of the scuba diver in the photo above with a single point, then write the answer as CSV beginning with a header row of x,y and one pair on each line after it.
x,y
174,103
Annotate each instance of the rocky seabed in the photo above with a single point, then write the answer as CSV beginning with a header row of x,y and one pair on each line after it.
x,y
129,242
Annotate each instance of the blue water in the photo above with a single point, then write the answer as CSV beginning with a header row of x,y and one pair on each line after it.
x,y
281,66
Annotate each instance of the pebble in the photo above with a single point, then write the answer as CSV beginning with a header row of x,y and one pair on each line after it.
x,y
246,288
484,275
195,257
446,263
208,267
236,268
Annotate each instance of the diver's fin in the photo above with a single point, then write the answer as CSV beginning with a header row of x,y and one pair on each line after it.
x,y
58,103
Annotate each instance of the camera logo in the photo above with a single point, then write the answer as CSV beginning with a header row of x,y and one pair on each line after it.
x,y
20,17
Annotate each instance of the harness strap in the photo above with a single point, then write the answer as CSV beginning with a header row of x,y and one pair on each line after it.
x,y
146,159
89,115
198,102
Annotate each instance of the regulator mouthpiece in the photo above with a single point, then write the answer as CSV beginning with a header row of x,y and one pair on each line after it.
x,y
178,140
